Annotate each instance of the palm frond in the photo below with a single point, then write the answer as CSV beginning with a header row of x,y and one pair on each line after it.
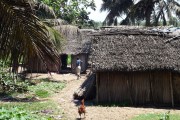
x,y
22,34
175,6
115,8
56,38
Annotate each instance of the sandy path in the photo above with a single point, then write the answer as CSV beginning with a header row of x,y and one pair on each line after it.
x,y
66,102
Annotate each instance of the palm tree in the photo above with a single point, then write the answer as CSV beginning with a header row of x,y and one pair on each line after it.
x,y
148,10
153,10
115,9
167,7
22,35
140,11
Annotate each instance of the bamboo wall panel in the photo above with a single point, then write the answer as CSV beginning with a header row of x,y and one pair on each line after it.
x,y
161,92
117,91
140,86
102,88
176,88
135,87
36,65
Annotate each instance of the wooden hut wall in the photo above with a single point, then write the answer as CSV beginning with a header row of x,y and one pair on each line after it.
x,y
176,88
36,65
135,87
84,65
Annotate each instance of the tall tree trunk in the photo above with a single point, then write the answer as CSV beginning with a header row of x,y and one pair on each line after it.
x,y
148,13
164,19
148,19
158,16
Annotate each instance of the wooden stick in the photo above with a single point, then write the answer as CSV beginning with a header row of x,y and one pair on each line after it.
x,y
171,87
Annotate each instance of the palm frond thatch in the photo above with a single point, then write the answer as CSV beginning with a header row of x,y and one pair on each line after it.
x,y
57,38
77,40
135,49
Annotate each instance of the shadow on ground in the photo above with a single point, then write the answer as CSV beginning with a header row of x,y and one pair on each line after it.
x,y
9,98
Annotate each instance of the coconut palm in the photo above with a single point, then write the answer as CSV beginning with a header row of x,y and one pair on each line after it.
x,y
152,11
22,35
141,10
115,9
166,8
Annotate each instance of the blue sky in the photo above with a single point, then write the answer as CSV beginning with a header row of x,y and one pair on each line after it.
x,y
97,15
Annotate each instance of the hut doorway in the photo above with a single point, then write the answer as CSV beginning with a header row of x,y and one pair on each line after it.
x,y
66,62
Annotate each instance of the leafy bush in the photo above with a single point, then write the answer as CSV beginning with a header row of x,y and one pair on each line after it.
x,y
10,82
14,113
7,85
165,116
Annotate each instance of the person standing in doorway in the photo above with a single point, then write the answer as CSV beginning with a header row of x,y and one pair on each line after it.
x,y
78,68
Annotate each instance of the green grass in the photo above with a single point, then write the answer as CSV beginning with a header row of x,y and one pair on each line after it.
x,y
42,93
69,60
14,113
45,89
157,116
34,108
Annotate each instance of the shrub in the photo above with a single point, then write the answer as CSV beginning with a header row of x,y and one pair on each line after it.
x,y
14,113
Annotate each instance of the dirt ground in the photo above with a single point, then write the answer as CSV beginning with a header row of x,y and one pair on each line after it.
x,y
69,106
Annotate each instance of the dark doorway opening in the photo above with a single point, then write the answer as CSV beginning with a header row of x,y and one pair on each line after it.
x,y
65,63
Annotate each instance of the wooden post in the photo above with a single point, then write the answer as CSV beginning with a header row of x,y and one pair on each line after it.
x,y
97,87
171,87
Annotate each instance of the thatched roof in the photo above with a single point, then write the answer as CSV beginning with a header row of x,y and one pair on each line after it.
x,y
55,22
77,40
135,49
85,40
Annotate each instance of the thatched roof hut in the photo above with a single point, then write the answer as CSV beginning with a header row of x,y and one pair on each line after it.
x,y
136,65
78,44
77,40
135,50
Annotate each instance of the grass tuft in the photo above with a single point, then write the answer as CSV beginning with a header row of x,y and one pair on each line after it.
x,y
157,116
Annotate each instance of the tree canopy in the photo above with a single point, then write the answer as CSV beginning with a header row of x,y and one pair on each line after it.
x,y
73,11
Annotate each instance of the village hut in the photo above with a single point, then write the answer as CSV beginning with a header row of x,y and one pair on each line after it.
x,y
77,46
37,65
137,66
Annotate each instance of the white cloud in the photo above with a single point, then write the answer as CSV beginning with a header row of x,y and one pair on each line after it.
x,y
97,15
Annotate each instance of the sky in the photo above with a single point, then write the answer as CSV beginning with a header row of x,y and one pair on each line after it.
x,y
97,15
